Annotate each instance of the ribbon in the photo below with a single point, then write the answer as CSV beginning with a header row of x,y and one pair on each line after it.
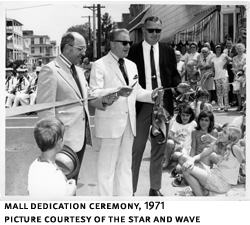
x,y
160,117
14,111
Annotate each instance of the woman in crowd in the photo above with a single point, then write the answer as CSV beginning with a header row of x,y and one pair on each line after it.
x,y
207,75
180,66
239,62
193,53
219,63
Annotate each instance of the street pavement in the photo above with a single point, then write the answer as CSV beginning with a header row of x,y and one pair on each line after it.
x,y
21,151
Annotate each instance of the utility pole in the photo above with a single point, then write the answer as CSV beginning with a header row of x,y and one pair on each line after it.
x,y
93,8
94,34
99,52
89,29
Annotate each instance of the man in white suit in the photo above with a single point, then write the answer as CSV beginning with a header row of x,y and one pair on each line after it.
x,y
116,127
61,80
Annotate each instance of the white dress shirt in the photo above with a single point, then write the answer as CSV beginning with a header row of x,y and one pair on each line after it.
x,y
146,55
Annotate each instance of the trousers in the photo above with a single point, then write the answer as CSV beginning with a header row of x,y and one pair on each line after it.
x,y
143,123
114,164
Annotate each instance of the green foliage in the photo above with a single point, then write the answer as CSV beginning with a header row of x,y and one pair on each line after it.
x,y
107,26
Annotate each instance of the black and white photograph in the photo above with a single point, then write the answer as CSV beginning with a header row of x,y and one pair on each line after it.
x,y
124,100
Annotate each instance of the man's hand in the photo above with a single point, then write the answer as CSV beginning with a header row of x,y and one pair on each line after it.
x,y
155,93
183,87
109,99
71,190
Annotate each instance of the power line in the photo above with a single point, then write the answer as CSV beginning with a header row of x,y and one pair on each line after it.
x,y
28,7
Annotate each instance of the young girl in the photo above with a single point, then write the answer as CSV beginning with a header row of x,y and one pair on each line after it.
x,y
193,75
205,126
220,178
201,102
180,134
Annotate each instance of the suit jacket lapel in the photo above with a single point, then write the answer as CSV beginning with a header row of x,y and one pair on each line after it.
x,y
114,66
67,76
141,67
161,52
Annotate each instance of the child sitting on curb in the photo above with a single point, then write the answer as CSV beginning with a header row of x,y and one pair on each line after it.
x,y
44,177
220,178
201,102
180,137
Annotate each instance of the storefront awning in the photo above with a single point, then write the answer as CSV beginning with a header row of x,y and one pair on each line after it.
x,y
196,19
137,22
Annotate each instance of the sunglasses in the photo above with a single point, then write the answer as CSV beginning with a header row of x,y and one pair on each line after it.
x,y
152,31
124,42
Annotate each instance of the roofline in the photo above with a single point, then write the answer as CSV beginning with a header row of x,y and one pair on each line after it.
x,y
36,36
9,19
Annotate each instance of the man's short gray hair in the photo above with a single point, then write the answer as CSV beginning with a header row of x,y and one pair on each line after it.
x,y
115,32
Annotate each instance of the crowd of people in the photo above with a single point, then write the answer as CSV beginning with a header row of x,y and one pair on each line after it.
x,y
206,156
21,84
220,70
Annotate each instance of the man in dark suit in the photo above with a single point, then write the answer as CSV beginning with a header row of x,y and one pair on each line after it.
x,y
156,67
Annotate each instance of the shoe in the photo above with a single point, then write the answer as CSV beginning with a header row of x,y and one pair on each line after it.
x,y
177,181
239,108
220,108
234,104
213,102
173,172
153,192
226,110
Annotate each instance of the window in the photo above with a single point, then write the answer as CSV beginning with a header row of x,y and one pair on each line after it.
x,y
228,25
41,50
32,50
32,41
41,40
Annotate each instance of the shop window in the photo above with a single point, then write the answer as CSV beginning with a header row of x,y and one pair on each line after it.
x,y
228,25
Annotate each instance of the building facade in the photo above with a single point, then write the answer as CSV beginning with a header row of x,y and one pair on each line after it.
x,y
40,47
24,45
186,23
14,39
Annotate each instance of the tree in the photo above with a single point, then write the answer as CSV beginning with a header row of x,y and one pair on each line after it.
x,y
84,31
106,28
81,29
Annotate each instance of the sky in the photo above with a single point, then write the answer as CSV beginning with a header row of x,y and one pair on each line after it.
x,y
53,18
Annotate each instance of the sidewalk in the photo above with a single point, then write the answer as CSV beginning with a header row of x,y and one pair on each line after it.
x,y
21,151
88,185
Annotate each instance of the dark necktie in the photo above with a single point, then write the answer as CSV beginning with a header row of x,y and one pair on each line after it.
x,y
75,76
87,128
153,70
204,59
121,62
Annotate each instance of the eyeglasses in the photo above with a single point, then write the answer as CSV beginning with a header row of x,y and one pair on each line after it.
x,y
124,42
81,49
152,31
